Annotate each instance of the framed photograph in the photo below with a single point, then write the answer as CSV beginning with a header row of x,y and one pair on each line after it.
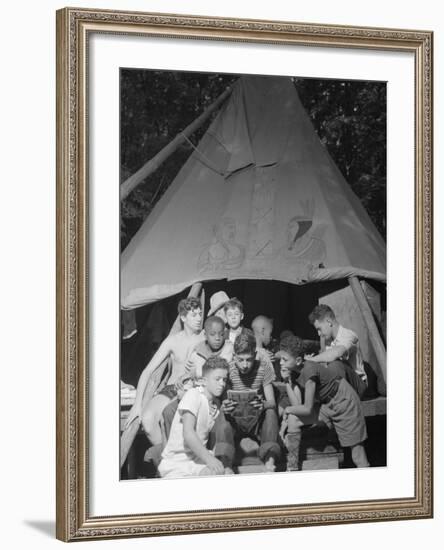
x,y
244,274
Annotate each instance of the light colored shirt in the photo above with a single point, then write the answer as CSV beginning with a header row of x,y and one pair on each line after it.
x,y
233,334
349,340
195,402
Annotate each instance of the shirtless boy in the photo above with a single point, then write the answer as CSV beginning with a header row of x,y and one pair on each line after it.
x,y
178,347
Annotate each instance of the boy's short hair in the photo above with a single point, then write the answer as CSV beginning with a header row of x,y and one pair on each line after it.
x,y
284,334
245,342
234,303
293,345
213,319
214,362
188,304
321,312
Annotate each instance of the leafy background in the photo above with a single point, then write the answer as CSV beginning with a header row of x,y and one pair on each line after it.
x,y
349,117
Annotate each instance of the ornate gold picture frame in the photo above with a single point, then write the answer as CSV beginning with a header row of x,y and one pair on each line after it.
x,y
75,519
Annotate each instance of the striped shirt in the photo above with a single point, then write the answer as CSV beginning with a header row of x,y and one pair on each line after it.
x,y
261,374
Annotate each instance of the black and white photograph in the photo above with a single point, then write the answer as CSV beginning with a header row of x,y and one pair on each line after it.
x,y
253,299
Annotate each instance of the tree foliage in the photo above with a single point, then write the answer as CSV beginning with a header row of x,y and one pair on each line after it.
x,y
349,117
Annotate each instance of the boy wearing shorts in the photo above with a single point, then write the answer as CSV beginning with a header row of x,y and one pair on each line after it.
x,y
340,404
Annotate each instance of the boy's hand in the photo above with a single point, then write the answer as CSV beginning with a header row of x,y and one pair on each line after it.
x,y
285,374
228,406
216,466
257,403
309,356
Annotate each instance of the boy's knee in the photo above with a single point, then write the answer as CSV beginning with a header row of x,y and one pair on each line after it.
x,y
148,421
359,456
151,417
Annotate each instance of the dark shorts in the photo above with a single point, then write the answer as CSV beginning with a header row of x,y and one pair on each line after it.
x,y
344,413
169,391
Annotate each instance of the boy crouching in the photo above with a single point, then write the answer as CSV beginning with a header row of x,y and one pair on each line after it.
x,y
340,405
186,452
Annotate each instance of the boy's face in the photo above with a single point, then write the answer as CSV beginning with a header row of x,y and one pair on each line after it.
x,y
324,328
193,319
263,332
234,317
288,363
215,334
244,362
215,381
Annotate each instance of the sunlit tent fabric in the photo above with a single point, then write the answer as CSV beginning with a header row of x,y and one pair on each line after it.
x,y
259,198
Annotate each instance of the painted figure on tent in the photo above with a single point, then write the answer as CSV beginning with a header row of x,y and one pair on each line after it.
x,y
223,252
304,248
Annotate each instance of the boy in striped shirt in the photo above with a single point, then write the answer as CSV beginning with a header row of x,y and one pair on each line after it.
x,y
253,371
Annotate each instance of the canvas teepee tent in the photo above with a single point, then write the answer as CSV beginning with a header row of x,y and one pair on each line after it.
x,y
259,198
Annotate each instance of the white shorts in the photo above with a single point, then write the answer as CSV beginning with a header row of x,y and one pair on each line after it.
x,y
180,466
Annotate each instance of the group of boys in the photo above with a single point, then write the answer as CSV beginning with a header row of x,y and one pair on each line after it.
x,y
221,389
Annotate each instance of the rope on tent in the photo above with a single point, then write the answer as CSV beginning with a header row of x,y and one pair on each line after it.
x,y
221,143
203,159
153,164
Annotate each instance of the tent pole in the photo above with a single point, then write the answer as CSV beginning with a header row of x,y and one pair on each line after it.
x,y
375,337
129,434
153,164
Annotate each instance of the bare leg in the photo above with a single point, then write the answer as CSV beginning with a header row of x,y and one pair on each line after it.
x,y
151,418
293,441
207,472
359,456
270,464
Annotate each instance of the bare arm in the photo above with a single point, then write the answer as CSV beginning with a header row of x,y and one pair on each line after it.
x,y
295,399
161,354
306,408
329,355
269,395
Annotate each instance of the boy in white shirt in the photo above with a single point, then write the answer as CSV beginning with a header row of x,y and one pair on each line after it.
x,y
342,344
186,452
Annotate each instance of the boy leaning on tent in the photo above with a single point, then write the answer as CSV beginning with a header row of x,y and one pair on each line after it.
x,y
342,344
178,348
